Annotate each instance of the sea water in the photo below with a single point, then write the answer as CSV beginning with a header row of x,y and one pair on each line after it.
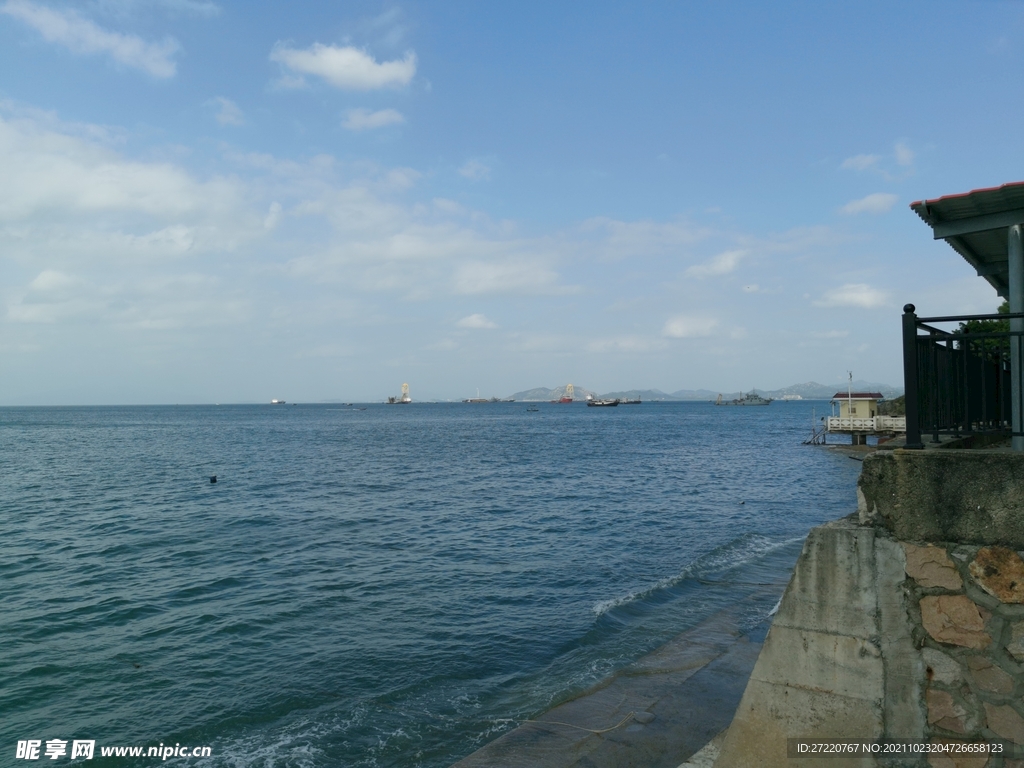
x,y
385,585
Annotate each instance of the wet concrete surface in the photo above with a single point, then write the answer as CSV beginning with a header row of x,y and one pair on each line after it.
x,y
691,685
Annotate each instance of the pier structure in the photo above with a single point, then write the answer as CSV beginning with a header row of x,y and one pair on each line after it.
x,y
859,417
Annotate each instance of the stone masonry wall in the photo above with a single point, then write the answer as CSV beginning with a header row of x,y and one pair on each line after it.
x,y
881,638
967,616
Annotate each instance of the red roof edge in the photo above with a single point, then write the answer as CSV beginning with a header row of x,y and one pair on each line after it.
x,y
967,194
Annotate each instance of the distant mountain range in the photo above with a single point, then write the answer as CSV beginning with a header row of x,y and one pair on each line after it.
x,y
810,390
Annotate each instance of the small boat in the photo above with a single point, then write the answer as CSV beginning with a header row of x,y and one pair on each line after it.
x,y
277,402
532,409
602,403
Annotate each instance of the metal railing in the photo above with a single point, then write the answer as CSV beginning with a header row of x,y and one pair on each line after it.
x,y
956,382
866,424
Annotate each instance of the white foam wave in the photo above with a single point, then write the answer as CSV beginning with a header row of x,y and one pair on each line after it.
x,y
738,552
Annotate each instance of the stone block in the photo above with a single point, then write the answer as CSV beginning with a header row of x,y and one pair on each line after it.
x,y
1016,644
955,620
955,760
952,495
1005,722
1000,572
988,677
944,712
931,566
941,668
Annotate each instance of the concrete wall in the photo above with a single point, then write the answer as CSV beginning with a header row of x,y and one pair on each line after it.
x,y
974,496
904,622
839,660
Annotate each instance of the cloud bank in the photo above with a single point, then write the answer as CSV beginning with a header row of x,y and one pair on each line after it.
x,y
80,35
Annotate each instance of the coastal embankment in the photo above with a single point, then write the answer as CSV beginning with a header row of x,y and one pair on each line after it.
x,y
903,623
662,708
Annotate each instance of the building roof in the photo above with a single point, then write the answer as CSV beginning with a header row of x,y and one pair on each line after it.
x,y
858,396
974,224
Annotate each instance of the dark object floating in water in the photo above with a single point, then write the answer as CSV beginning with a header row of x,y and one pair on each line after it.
x,y
213,478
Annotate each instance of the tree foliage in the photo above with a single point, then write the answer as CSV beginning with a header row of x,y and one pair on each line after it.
x,y
992,345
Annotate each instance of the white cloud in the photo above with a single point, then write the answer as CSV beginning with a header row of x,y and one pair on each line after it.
x,y
615,240
476,321
273,216
150,303
81,35
347,68
48,170
229,113
722,264
363,119
904,155
451,207
476,170
688,327
124,8
196,7
510,276
891,167
878,202
853,295
829,334
860,162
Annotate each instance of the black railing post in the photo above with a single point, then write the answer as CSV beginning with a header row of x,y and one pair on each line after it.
x,y
910,377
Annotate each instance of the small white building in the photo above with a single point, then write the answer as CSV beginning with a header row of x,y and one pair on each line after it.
x,y
859,417
862,405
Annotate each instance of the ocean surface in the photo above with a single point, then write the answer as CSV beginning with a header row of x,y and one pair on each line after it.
x,y
377,585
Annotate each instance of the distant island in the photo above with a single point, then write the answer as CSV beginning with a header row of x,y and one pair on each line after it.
x,y
810,390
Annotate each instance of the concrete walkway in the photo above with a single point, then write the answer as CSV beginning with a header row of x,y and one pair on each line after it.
x,y
691,686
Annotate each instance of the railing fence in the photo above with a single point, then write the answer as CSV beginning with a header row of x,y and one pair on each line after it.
x,y
956,382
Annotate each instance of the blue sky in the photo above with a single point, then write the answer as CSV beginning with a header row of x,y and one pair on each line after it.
x,y
227,202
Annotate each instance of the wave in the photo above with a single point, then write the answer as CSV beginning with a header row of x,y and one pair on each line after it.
x,y
740,551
